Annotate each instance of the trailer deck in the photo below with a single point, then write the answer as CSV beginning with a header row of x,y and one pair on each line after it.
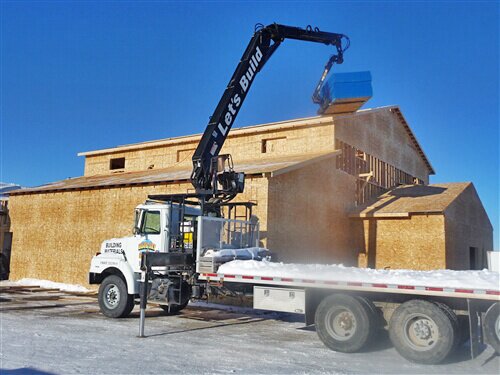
x,y
439,291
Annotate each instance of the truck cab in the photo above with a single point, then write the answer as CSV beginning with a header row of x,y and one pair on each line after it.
x,y
157,228
182,242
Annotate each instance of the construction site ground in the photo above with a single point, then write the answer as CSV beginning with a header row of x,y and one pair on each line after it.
x,y
46,331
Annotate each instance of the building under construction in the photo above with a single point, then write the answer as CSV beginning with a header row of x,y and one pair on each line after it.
x,y
323,188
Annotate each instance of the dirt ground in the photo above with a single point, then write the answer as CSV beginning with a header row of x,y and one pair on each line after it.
x,y
47,331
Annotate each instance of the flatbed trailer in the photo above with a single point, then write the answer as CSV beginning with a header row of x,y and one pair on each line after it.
x,y
356,286
425,322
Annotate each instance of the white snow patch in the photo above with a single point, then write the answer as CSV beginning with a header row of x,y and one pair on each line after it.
x,y
47,284
440,278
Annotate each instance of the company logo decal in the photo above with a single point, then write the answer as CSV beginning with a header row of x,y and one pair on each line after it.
x,y
147,245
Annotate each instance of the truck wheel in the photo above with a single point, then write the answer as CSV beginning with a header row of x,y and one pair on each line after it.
x,y
492,326
343,323
114,300
422,332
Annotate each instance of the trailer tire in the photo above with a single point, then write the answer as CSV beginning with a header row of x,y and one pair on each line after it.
x,y
492,326
343,323
454,322
375,315
422,332
114,300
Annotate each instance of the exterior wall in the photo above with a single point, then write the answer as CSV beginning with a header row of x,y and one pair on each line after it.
x,y
304,139
56,234
308,215
417,243
382,135
304,214
467,225
379,133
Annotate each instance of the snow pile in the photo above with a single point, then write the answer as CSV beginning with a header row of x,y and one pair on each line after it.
x,y
440,278
47,284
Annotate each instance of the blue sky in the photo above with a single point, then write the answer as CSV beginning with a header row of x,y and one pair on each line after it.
x,y
79,76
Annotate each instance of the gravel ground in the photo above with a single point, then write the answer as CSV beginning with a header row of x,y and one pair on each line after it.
x,y
52,332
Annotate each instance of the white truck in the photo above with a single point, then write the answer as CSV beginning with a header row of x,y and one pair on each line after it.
x,y
425,323
180,242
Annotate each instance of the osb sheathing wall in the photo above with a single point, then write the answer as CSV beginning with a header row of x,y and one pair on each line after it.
x,y
304,139
56,234
417,243
467,225
308,215
382,135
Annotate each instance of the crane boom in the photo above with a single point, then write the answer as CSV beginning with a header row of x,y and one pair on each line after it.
x,y
206,175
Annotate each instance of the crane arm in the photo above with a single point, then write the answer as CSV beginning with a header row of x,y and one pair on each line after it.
x,y
261,47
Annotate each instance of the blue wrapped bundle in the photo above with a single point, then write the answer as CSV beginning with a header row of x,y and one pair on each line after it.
x,y
345,92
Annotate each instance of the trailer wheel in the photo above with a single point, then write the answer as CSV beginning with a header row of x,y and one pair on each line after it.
x,y
114,300
422,332
343,323
454,322
492,326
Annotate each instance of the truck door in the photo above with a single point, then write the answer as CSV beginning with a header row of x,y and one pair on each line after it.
x,y
150,231
181,236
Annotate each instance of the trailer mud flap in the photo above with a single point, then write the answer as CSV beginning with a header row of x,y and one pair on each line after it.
x,y
476,334
310,308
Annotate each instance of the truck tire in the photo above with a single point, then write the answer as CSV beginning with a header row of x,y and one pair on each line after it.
x,y
422,332
343,323
492,327
114,300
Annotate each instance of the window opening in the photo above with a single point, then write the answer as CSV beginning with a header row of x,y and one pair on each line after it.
x,y
117,163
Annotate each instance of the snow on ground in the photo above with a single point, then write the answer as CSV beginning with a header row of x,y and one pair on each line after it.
x,y
48,285
70,336
440,278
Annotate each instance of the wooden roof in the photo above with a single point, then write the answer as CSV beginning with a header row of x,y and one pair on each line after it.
x,y
271,166
412,199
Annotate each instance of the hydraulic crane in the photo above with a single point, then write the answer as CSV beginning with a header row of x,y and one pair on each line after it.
x,y
213,176
179,249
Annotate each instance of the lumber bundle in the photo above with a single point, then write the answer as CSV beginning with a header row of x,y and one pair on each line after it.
x,y
345,93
